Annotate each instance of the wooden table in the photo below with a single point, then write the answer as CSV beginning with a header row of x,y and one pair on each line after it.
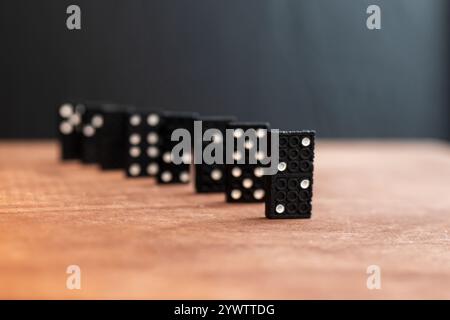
x,y
375,203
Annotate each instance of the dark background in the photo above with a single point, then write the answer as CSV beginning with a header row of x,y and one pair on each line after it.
x,y
299,64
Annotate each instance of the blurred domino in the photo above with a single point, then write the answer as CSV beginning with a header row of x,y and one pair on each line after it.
x,y
211,177
245,182
69,129
111,144
169,172
143,143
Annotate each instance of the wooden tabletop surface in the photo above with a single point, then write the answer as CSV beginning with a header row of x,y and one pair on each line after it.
x,y
375,203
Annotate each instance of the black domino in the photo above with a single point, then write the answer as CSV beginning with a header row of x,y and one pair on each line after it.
x,y
211,177
111,144
170,173
289,191
245,182
91,127
143,143
69,129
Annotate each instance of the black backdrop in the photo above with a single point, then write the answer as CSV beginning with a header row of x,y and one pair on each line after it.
x,y
296,63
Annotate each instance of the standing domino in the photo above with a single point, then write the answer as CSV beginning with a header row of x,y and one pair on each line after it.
x,y
289,191
245,182
170,172
112,140
69,128
143,143
211,177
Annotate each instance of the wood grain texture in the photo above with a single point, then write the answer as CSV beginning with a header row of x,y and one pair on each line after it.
x,y
383,203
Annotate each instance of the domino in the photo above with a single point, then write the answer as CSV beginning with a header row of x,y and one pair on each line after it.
x,y
143,143
211,177
245,183
111,144
170,173
92,124
289,191
69,129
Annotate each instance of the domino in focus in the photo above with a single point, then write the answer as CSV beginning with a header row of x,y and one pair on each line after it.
x,y
289,191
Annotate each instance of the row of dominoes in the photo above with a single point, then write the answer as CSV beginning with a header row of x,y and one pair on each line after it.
x,y
139,142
